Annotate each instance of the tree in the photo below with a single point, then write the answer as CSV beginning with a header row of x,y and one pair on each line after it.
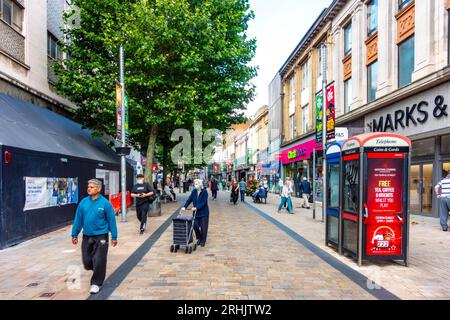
x,y
185,61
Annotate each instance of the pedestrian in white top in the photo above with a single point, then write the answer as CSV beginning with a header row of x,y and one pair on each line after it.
x,y
443,193
286,193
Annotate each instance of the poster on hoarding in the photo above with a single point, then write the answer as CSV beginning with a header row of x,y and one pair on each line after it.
x,y
385,204
50,192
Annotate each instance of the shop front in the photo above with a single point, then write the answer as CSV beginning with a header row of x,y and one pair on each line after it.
x,y
423,118
298,162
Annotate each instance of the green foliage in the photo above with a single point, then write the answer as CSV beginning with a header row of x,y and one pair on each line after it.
x,y
252,186
185,60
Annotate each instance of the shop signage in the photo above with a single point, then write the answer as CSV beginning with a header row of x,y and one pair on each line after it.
x,y
420,113
385,204
330,113
297,153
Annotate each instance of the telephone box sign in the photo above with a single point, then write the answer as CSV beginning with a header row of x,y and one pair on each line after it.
x,y
385,186
350,145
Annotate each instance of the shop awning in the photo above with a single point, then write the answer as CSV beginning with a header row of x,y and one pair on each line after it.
x,y
27,126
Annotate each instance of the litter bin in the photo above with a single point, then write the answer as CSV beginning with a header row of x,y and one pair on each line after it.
x,y
155,207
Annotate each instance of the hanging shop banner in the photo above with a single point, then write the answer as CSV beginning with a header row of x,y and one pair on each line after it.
x,y
385,204
319,118
50,192
119,111
330,113
126,117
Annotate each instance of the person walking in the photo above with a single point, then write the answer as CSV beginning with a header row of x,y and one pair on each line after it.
x,y
305,189
442,190
234,192
95,217
214,188
242,188
199,200
142,192
286,193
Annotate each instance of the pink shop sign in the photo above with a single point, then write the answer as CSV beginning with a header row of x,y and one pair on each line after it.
x,y
301,152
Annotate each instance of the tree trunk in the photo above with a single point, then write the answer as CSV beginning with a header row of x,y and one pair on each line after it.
x,y
150,154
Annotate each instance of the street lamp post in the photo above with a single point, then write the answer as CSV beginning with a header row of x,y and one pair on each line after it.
x,y
123,158
324,129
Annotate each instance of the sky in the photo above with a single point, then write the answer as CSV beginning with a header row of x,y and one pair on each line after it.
x,y
278,27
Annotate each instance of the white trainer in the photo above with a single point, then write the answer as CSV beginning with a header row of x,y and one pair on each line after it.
x,y
95,289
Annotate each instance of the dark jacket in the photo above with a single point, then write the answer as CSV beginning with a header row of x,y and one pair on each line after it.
x,y
200,202
305,187
214,185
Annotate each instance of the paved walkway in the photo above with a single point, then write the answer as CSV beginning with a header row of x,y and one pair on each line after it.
x,y
252,253
246,257
427,277
49,267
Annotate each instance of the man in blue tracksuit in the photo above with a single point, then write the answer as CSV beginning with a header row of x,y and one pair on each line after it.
x,y
242,188
199,200
95,216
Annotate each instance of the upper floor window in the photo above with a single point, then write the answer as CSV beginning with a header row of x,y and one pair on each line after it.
x,y
347,39
12,14
292,88
403,3
291,127
305,120
347,94
372,81
320,62
372,17
53,49
405,61
305,75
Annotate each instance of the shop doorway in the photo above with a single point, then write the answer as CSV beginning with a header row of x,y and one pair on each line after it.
x,y
421,189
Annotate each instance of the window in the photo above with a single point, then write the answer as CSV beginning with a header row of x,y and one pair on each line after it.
x,y
334,169
445,144
12,14
347,95
305,120
7,11
305,75
320,62
292,129
372,17
292,88
403,3
351,186
348,39
372,81
405,62
53,50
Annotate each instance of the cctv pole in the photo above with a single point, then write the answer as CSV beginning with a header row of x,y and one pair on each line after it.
x,y
123,159
324,129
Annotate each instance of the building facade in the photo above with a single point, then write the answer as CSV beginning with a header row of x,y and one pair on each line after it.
x,y
301,83
388,66
30,33
260,141
392,75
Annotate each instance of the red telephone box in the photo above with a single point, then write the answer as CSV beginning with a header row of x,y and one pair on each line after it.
x,y
375,191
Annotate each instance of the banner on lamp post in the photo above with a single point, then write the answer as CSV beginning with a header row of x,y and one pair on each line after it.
x,y
119,111
330,113
319,117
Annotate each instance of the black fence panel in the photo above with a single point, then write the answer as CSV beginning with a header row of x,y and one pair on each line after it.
x,y
17,225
